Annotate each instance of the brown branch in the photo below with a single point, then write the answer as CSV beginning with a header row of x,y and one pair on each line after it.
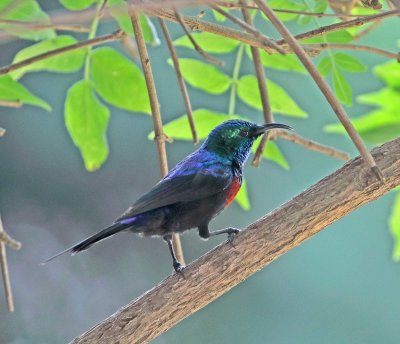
x,y
323,85
344,25
155,110
366,31
311,145
115,36
6,239
218,271
197,24
268,42
197,47
236,5
357,47
181,82
262,86
20,25
11,103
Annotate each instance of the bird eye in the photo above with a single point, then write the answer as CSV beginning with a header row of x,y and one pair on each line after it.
x,y
244,133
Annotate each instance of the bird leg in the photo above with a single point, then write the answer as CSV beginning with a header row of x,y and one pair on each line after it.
x,y
178,267
205,233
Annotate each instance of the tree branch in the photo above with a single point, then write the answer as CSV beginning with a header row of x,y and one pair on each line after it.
x,y
323,85
259,244
115,36
5,239
181,82
357,47
155,110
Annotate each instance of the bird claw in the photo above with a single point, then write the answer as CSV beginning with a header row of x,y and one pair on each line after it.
x,y
232,234
178,267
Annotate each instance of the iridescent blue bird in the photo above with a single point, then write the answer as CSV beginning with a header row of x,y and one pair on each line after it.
x,y
194,192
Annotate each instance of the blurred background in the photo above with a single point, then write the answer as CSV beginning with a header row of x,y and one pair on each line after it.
x,y
339,287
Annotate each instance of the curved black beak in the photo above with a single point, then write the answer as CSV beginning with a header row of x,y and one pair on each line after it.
x,y
261,129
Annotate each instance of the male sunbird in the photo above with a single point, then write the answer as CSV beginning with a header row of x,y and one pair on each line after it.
x,y
192,193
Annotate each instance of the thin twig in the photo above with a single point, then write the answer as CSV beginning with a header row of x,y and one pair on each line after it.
x,y
115,36
11,103
197,47
238,5
262,87
40,26
322,84
181,82
249,28
262,242
343,25
6,239
197,24
311,145
367,30
155,109
358,47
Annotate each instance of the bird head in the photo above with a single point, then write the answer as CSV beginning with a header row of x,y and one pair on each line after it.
x,y
233,139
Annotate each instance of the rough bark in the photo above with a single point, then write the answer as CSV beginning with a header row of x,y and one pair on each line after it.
x,y
260,243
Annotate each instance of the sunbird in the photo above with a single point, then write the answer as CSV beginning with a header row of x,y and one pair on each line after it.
x,y
193,192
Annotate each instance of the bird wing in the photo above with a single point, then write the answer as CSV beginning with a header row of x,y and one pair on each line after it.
x,y
182,188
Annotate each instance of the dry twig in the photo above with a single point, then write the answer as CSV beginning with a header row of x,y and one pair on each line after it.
x,y
5,239
115,36
322,84
181,82
262,86
346,46
197,47
155,110
215,273
11,103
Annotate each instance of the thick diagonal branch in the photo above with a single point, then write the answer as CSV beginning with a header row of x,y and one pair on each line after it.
x,y
225,266
155,110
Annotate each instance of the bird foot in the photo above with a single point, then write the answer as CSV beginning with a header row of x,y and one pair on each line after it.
x,y
178,267
232,232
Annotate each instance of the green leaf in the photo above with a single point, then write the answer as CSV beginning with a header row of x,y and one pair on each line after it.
x,y
286,5
288,62
77,5
86,120
325,65
206,120
377,126
29,11
149,31
204,76
394,225
242,197
218,16
349,63
342,88
272,152
387,98
12,90
118,81
389,72
280,101
67,62
119,10
209,42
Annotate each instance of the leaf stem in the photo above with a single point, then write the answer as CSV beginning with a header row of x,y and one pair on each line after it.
x,y
235,76
92,34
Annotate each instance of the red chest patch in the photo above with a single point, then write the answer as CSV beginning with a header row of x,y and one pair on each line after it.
x,y
231,191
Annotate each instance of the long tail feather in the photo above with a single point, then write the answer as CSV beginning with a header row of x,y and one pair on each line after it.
x,y
85,244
